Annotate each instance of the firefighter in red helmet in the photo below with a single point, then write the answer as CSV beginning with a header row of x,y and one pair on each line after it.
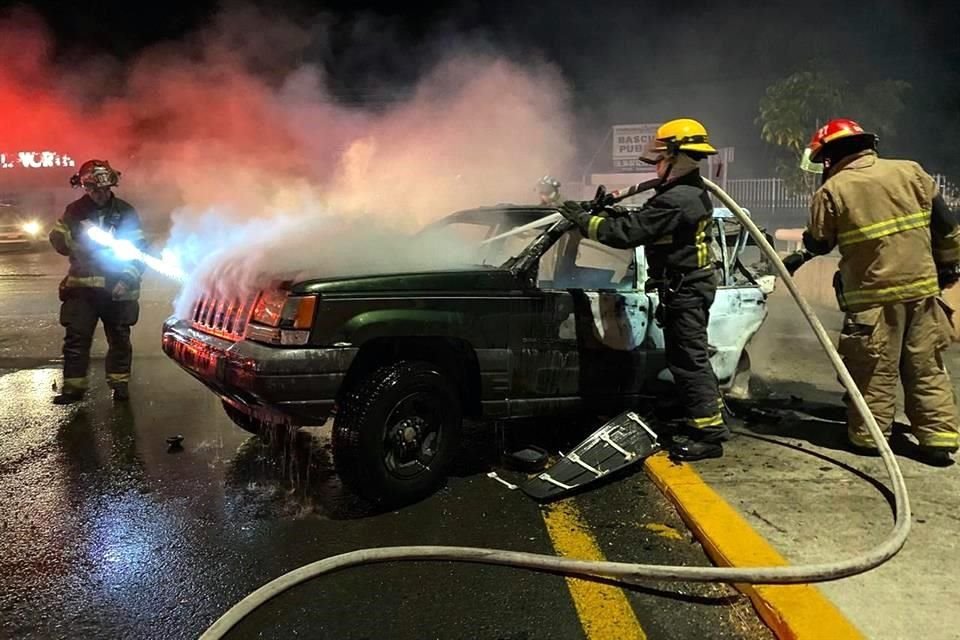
x,y
100,286
899,247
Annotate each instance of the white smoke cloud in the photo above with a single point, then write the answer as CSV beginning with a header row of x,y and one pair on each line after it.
x,y
238,138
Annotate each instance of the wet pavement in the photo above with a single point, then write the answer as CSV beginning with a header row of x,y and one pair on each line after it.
x,y
107,534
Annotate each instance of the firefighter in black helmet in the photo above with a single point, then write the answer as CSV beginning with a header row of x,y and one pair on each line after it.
x,y
674,228
548,189
100,285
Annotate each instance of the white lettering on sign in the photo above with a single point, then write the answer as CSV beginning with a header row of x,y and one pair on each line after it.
x,y
629,141
35,160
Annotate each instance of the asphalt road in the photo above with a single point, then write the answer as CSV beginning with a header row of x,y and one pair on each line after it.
x,y
106,534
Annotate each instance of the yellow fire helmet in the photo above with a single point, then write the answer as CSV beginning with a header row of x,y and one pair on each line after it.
x,y
682,134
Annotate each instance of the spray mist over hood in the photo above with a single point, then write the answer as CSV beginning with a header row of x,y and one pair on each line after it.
x,y
239,141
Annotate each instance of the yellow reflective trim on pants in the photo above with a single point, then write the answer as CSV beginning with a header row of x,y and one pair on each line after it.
x,y
944,440
78,384
594,227
715,420
885,228
118,377
919,289
862,440
86,281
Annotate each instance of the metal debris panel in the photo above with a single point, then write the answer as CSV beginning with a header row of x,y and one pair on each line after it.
x,y
620,443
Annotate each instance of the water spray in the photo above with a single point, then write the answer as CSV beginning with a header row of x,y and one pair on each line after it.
x,y
630,573
167,264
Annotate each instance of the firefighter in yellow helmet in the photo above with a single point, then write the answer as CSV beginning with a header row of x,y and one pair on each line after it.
x,y
674,228
899,247
100,286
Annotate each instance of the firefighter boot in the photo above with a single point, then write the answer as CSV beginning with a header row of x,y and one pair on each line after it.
x,y
700,444
936,456
73,390
68,396
121,392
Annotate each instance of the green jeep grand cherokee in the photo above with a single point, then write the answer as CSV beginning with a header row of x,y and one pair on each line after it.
x,y
541,323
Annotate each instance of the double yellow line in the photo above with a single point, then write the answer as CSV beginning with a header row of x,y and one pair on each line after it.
x,y
603,609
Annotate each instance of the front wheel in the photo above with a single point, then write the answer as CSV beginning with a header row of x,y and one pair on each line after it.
x,y
395,434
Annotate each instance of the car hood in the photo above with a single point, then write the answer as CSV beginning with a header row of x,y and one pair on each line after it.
x,y
448,281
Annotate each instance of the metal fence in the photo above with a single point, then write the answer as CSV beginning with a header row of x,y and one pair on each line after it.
x,y
949,190
765,193
771,194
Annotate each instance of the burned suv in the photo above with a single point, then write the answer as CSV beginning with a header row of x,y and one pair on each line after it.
x,y
545,322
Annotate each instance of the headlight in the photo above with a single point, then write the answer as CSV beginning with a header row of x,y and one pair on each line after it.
x,y
269,306
32,228
277,308
289,318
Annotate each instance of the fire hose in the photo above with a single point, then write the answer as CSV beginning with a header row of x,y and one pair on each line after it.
x,y
629,572
128,252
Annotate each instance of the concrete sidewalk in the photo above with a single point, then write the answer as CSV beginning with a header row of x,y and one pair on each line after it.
x,y
796,485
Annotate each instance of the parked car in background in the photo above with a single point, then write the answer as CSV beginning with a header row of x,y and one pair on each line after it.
x,y
19,230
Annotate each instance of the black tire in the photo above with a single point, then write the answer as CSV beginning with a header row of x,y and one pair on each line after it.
x,y
252,425
397,432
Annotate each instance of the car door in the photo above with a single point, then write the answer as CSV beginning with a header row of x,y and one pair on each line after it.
x,y
546,359
739,308
612,316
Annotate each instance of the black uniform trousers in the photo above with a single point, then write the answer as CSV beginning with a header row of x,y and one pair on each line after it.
x,y
80,311
686,315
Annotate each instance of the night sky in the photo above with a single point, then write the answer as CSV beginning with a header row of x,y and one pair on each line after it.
x,y
625,61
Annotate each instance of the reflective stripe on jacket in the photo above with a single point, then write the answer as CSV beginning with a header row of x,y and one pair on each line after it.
x,y
878,213
673,226
90,264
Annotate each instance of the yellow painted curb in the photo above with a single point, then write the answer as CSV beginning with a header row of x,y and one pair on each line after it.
x,y
793,612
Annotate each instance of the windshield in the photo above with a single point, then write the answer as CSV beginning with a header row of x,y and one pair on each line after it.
x,y
480,235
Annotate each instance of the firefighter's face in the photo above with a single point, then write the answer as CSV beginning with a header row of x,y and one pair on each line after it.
x,y
663,167
100,195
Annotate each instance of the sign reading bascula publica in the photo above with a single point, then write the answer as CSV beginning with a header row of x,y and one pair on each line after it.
x,y
629,141
35,160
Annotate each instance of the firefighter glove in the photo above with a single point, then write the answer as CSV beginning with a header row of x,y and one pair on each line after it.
x,y
795,260
948,275
574,211
120,289
125,284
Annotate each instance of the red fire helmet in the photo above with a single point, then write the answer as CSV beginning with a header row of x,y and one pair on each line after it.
x,y
95,174
834,130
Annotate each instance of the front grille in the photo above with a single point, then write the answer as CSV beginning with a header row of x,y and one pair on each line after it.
x,y
224,318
